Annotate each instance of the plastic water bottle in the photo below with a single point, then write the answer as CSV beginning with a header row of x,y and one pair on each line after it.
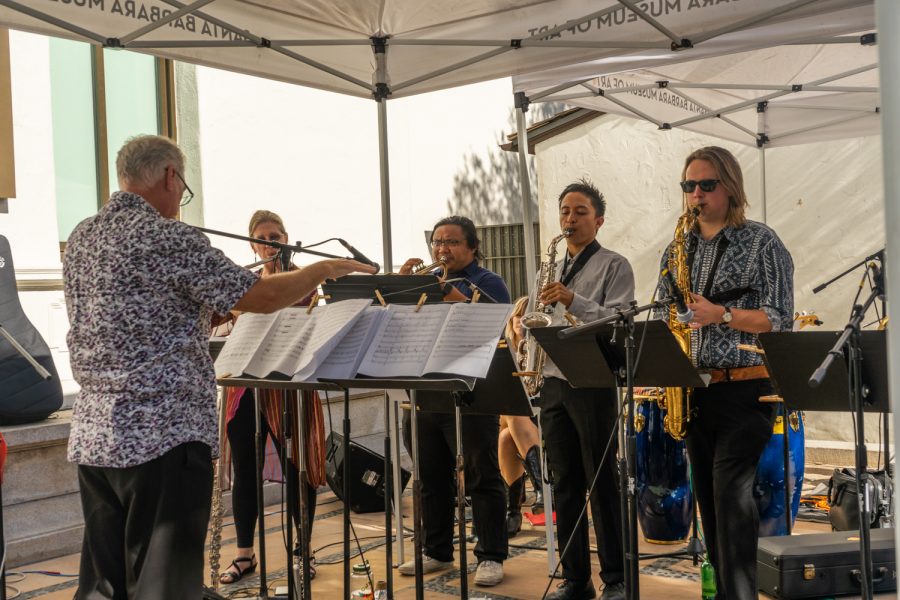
x,y
707,581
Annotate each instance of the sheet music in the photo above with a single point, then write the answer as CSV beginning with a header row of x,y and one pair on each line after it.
x,y
241,345
284,345
404,340
344,360
332,322
468,339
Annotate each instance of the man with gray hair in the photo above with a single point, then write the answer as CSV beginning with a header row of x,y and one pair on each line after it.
x,y
141,288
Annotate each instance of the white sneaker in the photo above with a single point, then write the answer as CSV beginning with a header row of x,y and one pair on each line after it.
x,y
429,565
489,573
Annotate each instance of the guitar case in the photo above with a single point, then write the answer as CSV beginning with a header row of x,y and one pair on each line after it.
x,y
25,396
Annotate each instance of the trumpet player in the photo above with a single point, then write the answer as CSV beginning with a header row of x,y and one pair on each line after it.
x,y
741,280
589,282
455,244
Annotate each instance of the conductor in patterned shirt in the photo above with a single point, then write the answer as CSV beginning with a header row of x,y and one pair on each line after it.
x,y
742,280
140,290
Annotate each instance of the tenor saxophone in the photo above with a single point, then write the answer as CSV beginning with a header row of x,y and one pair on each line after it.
x,y
534,356
677,400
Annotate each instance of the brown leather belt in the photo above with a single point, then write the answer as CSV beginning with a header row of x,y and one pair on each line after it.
x,y
738,374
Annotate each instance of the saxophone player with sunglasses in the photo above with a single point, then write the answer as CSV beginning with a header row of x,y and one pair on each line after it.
x,y
589,282
741,285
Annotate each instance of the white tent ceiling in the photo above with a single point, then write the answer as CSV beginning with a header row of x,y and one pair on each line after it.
x,y
809,92
431,44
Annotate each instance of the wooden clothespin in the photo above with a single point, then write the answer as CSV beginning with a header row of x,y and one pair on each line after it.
x,y
421,301
313,303
774,398
572,319
476,296
380,297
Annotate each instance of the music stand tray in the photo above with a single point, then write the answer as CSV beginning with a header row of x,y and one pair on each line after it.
x,y
500,393
593,359
793,356
395,289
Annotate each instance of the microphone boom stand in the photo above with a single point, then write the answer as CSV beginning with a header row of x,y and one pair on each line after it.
x,y
848,346
628,477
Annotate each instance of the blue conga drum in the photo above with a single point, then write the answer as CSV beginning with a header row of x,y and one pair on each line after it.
x,y
663,481
768,491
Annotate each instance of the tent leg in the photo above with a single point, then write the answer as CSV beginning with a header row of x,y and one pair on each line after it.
x,y
388,264
525,181
887,14
762,184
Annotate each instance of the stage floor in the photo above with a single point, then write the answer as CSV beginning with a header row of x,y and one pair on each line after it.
x,y
526,569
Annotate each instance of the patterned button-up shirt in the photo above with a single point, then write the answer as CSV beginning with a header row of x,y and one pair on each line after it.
x,y
140,291
753,258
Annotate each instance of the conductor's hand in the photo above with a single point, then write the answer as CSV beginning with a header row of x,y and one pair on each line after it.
x,y
705,312
409,265
339,267
557,292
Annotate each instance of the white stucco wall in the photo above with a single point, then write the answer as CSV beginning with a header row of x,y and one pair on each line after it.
x,y
825,201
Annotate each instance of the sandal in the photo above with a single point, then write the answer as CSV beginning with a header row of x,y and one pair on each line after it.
x,y
235,572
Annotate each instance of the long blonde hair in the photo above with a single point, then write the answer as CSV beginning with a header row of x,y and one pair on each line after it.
x,y
511,332
728,172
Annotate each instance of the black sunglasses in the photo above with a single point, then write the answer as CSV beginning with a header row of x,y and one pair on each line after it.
x,y
707,185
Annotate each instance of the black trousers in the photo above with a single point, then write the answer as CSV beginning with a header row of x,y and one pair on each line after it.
x,y
726,436
145,527
242,437
437,462
576,426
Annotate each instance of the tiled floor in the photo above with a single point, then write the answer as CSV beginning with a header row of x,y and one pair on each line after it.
x,y
526,571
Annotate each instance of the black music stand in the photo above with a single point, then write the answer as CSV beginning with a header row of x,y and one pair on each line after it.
x,y
662,364
792,356
500,393
413,384
293,387
396,289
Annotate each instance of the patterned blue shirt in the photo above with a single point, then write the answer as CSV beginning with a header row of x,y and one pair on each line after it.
x,y
140,291
754,258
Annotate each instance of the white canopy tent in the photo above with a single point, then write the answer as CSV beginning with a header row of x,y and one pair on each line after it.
x,y
389,49
813,90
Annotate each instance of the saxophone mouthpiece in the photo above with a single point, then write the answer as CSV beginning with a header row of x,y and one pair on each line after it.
x,y
695,212
568,231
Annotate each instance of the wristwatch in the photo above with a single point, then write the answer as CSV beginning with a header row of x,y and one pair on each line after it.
x,y
727,316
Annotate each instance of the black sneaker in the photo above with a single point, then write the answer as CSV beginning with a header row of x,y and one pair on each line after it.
x,y
573,590
613,591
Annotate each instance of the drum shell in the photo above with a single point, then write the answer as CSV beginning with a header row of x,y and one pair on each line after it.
x,y
768,489
663,481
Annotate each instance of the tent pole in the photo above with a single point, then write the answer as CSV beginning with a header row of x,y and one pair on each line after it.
x,y
521,103
385,185
762,183
887,14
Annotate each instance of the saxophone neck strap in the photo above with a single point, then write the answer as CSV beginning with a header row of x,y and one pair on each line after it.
x,y
721,246
585,255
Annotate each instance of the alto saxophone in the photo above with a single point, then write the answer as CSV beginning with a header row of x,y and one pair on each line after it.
x,y
678,400
534,356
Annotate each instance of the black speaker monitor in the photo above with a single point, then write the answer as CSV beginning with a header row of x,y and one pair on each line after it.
x,y
366,474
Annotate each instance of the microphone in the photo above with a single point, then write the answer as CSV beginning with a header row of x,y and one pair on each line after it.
x,y
359,256
683,313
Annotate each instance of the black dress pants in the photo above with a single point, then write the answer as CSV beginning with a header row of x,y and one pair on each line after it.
x,y
726,436
576,425
242,437
437,462
145,527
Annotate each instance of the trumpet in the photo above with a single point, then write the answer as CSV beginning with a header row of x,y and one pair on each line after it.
x,y
424,269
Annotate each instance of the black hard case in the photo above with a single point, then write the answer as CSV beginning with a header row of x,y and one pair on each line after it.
x,y
823,564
